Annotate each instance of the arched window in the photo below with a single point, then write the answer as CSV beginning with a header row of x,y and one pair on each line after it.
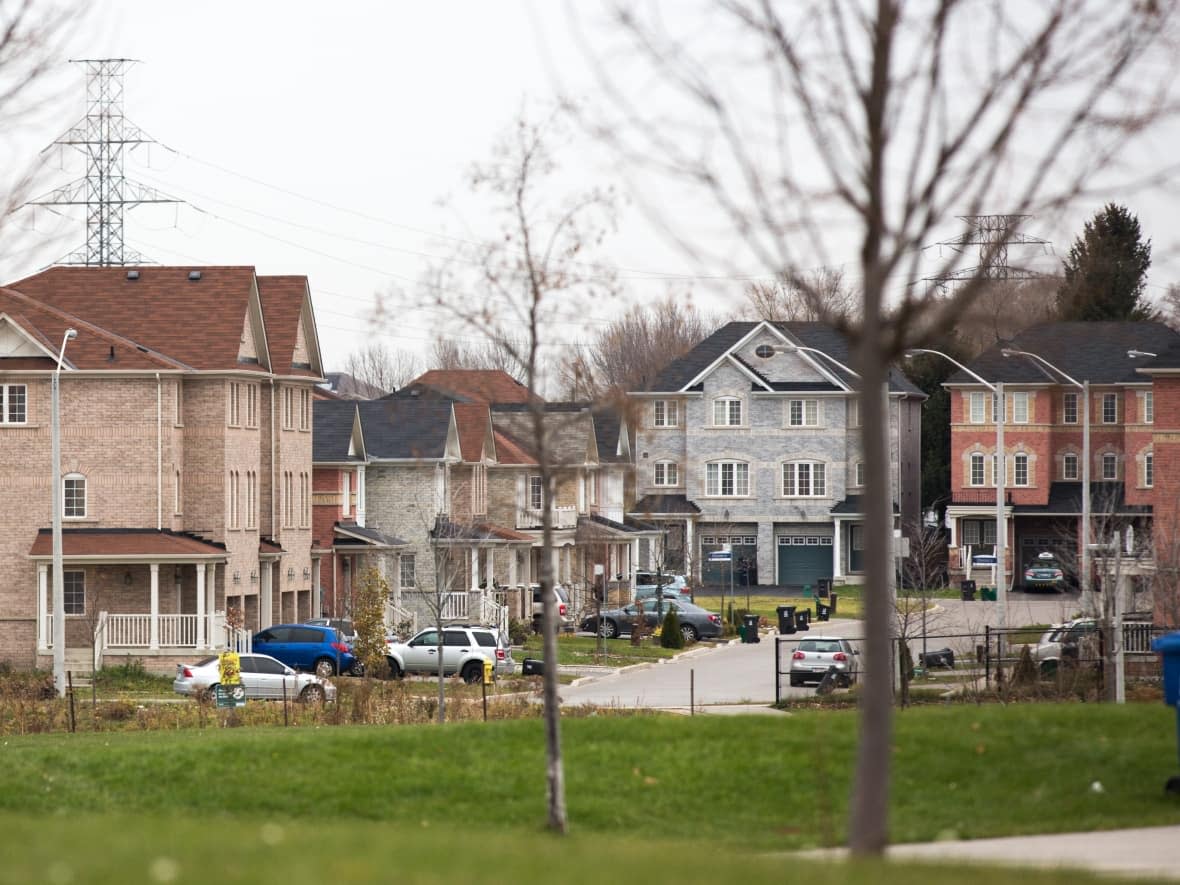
x,y
73,493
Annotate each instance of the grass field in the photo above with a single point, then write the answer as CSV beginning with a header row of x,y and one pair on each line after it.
x,y
848,603
574,650
466,801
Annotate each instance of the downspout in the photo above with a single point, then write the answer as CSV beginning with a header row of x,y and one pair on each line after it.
x,y
159,457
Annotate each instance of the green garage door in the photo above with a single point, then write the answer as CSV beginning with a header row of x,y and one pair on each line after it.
x,y
804,559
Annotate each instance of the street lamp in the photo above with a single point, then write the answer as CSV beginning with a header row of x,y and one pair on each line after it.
x,y
1001,474
59,591
1084,387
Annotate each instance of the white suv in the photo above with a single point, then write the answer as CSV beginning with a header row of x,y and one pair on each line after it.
x,y
464,649
565,612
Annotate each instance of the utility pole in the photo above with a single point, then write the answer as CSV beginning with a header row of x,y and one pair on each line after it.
x,y
993,234
102,134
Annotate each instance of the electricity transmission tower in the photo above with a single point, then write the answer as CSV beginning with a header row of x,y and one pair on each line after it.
x,y
993,234
101,135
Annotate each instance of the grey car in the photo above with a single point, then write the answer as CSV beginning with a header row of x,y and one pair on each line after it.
x,y
695,622
263,678
816,655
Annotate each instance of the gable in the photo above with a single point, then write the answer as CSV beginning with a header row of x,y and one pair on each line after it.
x,y
16,342
300,356
247,348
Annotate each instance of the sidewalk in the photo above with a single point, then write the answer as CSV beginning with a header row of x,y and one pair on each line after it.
x,y
1146,852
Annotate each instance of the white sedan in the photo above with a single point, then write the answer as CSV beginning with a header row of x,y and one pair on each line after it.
x,y
262,676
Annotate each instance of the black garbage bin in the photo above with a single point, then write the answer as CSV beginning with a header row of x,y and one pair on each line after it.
x,y
803,619
943,657
823,588
786,618
967,591
750,623
532,667
823,611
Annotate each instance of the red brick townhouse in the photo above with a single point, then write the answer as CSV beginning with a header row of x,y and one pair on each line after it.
x,y
1044,446
186,427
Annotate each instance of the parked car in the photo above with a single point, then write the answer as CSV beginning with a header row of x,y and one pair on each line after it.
x,y
263,678
321,650
1044,573
669,585
344,625
464,650
815,655
565,613
695,622
1060,642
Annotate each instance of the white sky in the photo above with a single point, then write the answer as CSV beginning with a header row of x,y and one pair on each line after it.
x,y
363,117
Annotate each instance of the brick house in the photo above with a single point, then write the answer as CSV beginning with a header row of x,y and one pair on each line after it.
x,y
746,441
1044,440
186,458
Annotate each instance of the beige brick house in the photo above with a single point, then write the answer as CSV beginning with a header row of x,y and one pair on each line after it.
x,y
186,427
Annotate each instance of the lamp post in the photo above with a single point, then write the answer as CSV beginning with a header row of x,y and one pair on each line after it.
x,y
1001,476
1084,387
59,592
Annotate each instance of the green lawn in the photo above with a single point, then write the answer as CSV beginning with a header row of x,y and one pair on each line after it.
x,y
465,802
575,650
848,603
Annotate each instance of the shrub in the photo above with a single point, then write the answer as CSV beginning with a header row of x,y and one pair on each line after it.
x,y
670,635
518,631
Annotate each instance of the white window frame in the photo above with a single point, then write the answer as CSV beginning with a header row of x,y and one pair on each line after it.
x,y
74,581
739,479
1111,399
66,481
858,474
407,576
251,405
536,492
666,413
666,473
251,499
976,458
1069,404
976,407
1020,464
728,405
304,409
1066,460
1148,470
178,404
7,394
1020,407
805,479
802,413
235,404
1148,407
288,408
854,412
1109,458
178,497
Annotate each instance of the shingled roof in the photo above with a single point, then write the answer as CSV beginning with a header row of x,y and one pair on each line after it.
x,y
404,428
472,385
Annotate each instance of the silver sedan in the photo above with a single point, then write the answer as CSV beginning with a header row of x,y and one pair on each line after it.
x,y
262,676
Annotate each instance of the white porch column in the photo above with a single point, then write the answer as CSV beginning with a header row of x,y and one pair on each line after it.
x,y
489,566
689,559
360,494
42,603
317,601
513,556
474,568
201,600
837,557
154,621
556,562
265,595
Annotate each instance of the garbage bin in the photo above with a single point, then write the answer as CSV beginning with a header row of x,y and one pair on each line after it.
x,y
1168,648
822,610
967,591
823,588
803,619
786,618
750,625
532,667
987,594
943,657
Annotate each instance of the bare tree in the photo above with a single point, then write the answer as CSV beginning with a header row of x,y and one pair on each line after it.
x,y
380,366
822,295
816,128
923,571
1004,308
629,353
449,352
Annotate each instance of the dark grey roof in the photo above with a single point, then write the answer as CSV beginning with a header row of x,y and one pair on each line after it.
x,y
1164,359
1105,498
405,428
803,386
1095,352
608,426
332,429
370,535
820,336
853,505
594,522
652,504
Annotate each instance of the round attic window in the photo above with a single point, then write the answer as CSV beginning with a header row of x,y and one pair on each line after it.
x,y
765,351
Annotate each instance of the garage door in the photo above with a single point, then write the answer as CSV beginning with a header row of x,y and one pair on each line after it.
x,y
804,559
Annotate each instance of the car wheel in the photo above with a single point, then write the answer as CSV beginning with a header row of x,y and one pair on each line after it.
x,y
358,669
324,668
312,694
473,672
610,629
208,694
689,632
395,672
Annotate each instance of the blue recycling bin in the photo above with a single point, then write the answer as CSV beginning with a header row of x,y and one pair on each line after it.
x,y
1168,648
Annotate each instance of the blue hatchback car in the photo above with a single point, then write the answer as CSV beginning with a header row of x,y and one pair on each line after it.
x,y
307,647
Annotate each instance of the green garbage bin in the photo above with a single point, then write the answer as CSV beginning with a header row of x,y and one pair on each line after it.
x,y
987,594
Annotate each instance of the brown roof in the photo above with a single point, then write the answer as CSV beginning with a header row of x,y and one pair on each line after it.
x,y
472,420
197,323
282,306
474,385
123,542
499,531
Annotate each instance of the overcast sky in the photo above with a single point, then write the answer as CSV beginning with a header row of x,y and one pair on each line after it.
x,y
332,140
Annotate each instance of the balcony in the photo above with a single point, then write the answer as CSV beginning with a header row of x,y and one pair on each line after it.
x,y
563,518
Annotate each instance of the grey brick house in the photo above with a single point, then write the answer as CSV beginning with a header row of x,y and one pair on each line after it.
x,y
746,441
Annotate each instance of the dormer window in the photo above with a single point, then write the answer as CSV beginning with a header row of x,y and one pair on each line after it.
x,y
727,412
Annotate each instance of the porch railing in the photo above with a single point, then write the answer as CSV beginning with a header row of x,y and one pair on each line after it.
x,y
563,518
454,607
493,613
395,615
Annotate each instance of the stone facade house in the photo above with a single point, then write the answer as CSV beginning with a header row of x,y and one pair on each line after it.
x,y
752,439
185,457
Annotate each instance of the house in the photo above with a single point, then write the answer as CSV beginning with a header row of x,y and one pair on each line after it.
x,y
1046,374
752,439
185,455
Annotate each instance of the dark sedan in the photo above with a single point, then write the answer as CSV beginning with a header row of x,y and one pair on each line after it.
x,y
695,622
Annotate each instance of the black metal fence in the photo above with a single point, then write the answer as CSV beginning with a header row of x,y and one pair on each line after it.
x,y
1070,659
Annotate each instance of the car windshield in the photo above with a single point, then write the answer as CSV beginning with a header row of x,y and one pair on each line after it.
x,y
823,646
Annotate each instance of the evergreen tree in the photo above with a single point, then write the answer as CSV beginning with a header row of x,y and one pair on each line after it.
x,y
1106,270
